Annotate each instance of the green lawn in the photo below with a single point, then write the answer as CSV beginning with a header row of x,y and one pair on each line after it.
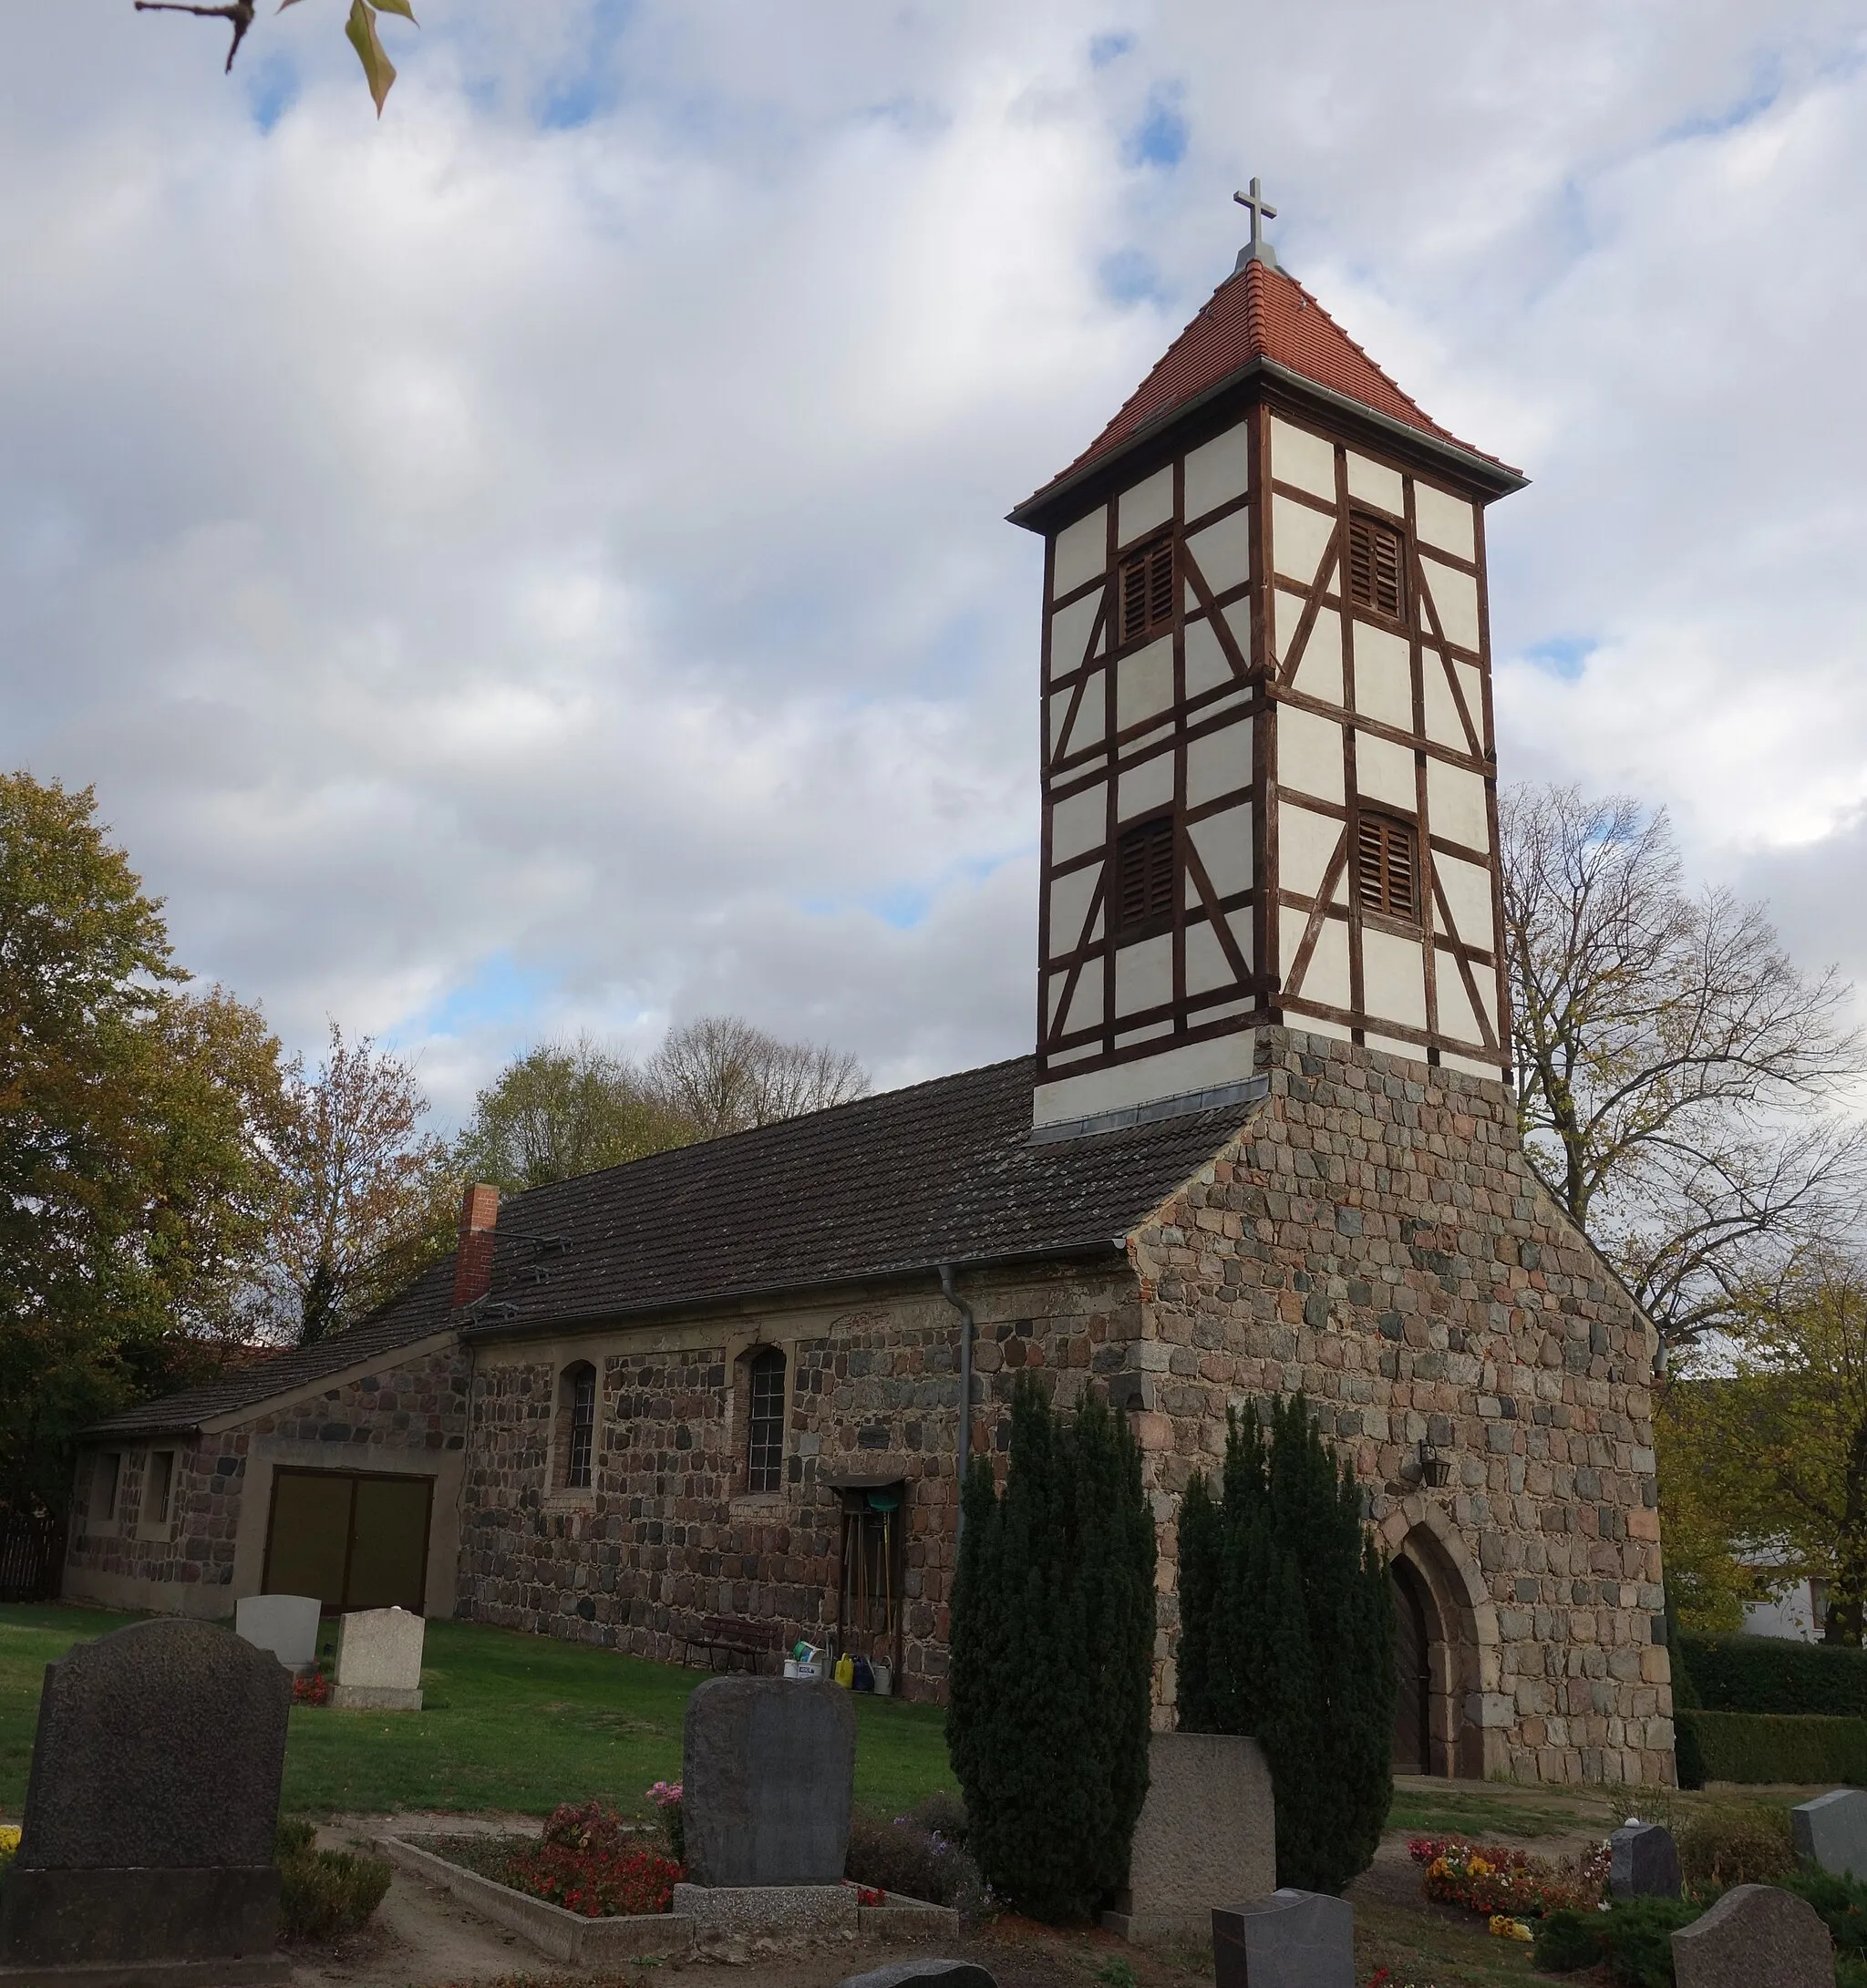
x,y
511,1722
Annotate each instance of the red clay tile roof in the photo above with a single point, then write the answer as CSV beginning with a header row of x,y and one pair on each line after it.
x,y
1257,313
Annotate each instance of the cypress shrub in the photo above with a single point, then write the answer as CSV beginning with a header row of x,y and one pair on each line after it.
x,y
1287,1634
1774,1746
1770,1673
1052,1658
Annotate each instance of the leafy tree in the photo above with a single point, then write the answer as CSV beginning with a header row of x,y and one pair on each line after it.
x,y
368,1199
1770,1452
566,1109
724,1075
1052,1658
1287,1634
359,30
136,1180
1682,1083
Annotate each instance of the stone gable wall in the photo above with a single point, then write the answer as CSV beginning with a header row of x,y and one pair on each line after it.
x,y
417,1408
1375,1239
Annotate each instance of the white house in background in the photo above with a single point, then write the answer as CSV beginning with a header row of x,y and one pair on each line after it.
x,y
1797,1612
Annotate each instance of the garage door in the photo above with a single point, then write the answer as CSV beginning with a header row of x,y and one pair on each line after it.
x,y
352,1540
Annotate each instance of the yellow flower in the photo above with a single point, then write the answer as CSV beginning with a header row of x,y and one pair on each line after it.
x,y
1506,1928
9,1840
1478,1867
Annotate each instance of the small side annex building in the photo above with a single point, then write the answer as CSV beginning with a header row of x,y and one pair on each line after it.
x,y
709,1404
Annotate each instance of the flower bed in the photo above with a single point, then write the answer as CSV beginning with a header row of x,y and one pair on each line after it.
x,y
590,1860
1506,1884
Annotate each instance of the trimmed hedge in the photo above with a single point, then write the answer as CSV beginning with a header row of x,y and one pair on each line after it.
x,y
1771,1673
1789,1746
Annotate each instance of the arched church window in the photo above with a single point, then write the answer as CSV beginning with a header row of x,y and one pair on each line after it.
x,y
1387,865
1377,566
576,1430
1144,879
1145,591
765,1422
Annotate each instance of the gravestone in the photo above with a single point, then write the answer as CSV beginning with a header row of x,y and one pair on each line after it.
x,y
1207,1835
379,1660
922,1974
1290,1940
768,1770
1756,1936
150,1813
1644,1863
286,1624
1831,1831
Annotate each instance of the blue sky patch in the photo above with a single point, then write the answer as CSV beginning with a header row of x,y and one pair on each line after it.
x,y
271,88
1130,276
1562,655
1160,139
1107,48
501,991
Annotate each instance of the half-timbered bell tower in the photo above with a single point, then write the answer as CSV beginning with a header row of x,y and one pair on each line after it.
x,y
1269,776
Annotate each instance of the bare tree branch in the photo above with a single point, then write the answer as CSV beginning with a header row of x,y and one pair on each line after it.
x,y
240,12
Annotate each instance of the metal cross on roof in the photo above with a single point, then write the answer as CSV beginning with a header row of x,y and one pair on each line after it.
x,y
1261,210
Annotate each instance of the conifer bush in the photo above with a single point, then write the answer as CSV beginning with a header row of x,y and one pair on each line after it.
x,y
1287,1634
1052,1655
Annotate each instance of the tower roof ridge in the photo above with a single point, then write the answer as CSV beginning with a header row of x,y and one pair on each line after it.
x,y
1258,314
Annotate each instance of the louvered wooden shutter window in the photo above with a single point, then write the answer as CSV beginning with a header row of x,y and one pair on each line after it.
x,y
1388,867
1147,591
1375,566
1144,875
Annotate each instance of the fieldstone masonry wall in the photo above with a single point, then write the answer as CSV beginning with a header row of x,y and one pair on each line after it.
x,y
1376,1238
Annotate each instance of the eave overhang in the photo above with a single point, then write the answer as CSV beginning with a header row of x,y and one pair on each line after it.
x,y
1076,490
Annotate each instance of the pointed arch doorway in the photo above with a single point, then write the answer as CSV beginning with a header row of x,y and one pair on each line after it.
x,y
1416,1633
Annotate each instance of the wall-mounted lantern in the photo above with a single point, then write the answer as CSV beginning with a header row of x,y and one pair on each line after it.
x,y
1434,1468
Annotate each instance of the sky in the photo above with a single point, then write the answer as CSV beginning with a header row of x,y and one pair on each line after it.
x,y
537,563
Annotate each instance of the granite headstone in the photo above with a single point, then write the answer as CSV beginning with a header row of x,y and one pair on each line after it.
x,y
286,1624
1756,1936
379,1660
927,1973
768,1771
151,1810
1207,1835
1290,1940
1644,1862
1831,1831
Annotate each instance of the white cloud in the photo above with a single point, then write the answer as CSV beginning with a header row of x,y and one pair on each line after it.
x,y
538,563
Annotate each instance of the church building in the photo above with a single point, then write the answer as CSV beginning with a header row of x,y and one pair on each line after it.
x,y
708,1405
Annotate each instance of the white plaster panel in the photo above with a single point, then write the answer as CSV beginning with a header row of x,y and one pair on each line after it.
x,y
1070,634
1472,684
1326,977
1455,1008
1218,763
1442,720
1299,538
1456,805
1470,1068
1069,904
1171,1073
1144,975
1313,1025
1376,484
1391,1045
1455,596
1082,552
1300,458
1086,1004
1393,978
1206,964
1092,714
1206,666
1144,506
1145,1033
1145,787
1383,676
1222,554
1079,822
1384,772
1319,668
1217,472
1445,521
1305,842
1224,842
1467,893
1144,682
1309,753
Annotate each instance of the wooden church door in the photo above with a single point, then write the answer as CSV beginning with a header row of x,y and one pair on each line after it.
x,y
1413,1664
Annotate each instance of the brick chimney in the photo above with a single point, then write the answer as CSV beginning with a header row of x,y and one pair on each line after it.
x,y
480,1216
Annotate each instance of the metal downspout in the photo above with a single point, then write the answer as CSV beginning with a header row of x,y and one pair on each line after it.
x,y
950,1293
